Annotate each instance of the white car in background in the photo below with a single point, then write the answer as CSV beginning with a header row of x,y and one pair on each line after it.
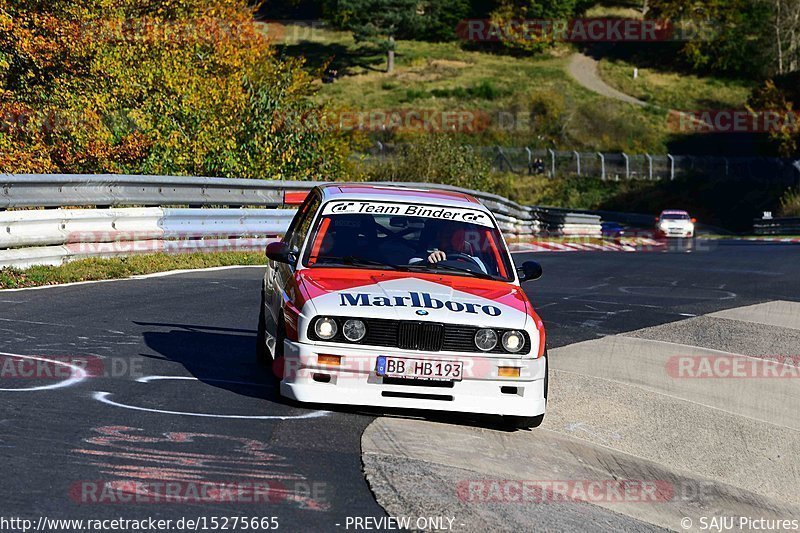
x,y
675,223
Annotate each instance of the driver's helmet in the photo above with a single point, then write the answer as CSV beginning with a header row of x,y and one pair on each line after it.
x,y
446,236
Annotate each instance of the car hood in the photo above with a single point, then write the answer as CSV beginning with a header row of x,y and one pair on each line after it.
x,y
413,296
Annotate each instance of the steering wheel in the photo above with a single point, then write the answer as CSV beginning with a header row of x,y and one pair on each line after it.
x,y
460,257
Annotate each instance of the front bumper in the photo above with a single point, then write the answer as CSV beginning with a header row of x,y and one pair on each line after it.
x,y
676,232
355,382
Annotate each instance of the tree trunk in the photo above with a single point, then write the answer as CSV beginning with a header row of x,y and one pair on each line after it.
x,y
778,35
390,56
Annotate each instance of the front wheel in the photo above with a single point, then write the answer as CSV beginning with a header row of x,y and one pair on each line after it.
x,y
523,422
262,352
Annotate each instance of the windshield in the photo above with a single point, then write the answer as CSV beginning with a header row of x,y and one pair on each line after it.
x,y
675,216
437,239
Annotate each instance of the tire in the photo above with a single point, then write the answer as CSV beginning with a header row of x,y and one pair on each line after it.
x,y
523,422
262,352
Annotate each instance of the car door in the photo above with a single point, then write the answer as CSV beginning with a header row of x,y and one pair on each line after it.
x,y
280,276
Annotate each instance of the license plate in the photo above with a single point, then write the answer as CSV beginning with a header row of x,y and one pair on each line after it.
x,y
398,367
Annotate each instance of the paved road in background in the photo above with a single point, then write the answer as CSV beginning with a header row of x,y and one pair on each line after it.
x,y
183,344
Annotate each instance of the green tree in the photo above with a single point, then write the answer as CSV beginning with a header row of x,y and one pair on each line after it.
x,y
378,22
508,11
730,36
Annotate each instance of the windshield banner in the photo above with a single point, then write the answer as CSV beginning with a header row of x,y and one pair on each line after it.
x,y
456,214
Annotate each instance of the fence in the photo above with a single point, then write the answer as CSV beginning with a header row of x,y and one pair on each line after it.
x,y
222,214
618,166
777,226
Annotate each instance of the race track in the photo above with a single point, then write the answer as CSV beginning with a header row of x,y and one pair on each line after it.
x,y
171,390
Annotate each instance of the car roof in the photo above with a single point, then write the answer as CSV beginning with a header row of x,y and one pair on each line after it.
x,y
674,212
389,193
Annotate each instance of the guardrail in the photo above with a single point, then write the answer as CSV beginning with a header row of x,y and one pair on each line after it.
x,y
95,224
777,226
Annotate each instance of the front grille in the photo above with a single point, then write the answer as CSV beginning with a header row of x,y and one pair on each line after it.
x,y
423,336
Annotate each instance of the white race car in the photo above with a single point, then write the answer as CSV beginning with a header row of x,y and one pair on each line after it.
x,y
398,297
675,223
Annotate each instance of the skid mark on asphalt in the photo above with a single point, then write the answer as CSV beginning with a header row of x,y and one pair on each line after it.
x,y
77,374
175,467
105,397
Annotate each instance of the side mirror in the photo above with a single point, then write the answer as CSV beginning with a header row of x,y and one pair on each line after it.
x,y
657,219
529,271
279,251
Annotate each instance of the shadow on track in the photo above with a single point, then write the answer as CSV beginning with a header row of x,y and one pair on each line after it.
x,y
220,357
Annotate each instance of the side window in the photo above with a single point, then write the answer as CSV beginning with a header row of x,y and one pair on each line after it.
x,y
299,229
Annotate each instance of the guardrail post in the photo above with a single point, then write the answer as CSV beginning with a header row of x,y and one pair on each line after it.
x,y
671,167
649,166
627,166
530,160
552,162
602,166
578,161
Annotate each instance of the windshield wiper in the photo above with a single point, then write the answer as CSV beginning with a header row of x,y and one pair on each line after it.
x,y
356,260
451,268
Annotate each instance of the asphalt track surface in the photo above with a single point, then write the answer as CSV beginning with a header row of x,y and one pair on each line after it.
x,y
57,444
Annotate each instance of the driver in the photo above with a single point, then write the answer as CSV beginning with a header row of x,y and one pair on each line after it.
x,y
441,238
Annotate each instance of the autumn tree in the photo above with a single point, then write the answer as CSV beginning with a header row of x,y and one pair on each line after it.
x,y
168,87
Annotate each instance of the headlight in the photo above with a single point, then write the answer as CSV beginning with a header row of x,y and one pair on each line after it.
x,y
513,341
326,328
485,339
354,330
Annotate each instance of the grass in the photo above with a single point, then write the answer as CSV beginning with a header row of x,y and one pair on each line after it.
x,y
672,90
122,267
447,77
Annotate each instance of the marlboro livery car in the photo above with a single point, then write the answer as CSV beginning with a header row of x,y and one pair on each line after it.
x,y
398,297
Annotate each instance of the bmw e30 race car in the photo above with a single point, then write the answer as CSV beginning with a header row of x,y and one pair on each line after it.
x,y
398,297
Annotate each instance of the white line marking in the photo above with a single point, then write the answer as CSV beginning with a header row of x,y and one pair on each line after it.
x,y
104,398
78,374
148,379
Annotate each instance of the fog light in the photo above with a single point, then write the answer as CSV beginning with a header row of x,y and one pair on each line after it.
x,y
507,372
329,360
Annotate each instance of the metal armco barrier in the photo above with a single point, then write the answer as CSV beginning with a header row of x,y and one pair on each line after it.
x,y
777,226
101,228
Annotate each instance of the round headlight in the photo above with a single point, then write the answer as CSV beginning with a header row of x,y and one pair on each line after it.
x,y
485,339
513,341
354,330
326,328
